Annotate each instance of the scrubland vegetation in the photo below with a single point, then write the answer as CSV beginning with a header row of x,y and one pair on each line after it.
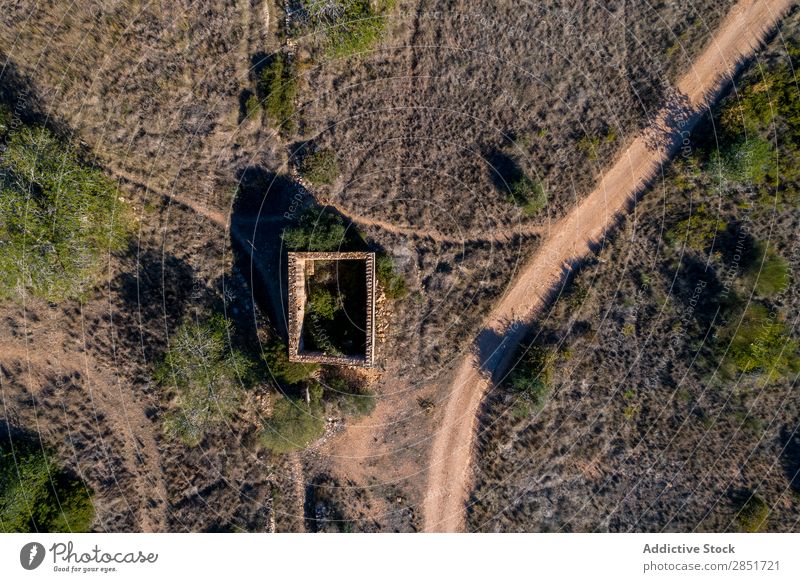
x,y
59,217
36,493
320,167
679,337
577,82
205,377
276,89
161,109
344,27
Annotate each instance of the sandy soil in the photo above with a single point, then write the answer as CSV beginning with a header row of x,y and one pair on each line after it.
x,y
568,241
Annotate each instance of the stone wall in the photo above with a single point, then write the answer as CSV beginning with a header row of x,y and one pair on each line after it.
x,y
297,300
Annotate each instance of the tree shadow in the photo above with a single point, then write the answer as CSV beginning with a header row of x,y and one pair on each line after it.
x,y
697,287
791,457
265,206
244,101
19,94
675,114
156,291
503,169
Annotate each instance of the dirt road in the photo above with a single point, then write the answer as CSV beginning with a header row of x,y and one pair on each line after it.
x,y
449,477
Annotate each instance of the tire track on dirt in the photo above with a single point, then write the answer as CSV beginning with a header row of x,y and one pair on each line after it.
x,y
571,238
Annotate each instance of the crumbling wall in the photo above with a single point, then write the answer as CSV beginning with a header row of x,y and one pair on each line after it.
x,y
297,300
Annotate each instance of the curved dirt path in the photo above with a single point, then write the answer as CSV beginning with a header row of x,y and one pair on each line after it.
x,y
496,235
739,35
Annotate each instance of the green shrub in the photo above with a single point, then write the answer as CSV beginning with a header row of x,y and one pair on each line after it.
x,y
316,230
321,167
276,357
768,274
277,89
347,393
528,194
321,302
59,218
752,517
750,160
206,379
293,425
348,26
697,231
531,378
36,495
589,146
757,342
252,105
392,283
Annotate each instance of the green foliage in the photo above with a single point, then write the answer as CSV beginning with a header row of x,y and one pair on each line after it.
x,y
293,425
531,378
36,495
321,167
316,230
528,194
589,146
252,105
752,517
349,26
277,89
348,394
58,218
276,356
321,302
766,111
771,100
393,283
698,231
768,274
206,378
750,160
757,341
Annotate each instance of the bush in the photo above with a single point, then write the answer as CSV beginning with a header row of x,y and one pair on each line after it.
x,y
293,425
252,105
321,302
531,377
698,231
528,194
750,160
58,218
206,378
321,167
759,342
276,357
347,393
277,88
392,283
752,517
768,274
316,230
349,26
36,495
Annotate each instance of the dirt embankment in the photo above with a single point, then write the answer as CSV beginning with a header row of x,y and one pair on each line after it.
x,y
740,34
